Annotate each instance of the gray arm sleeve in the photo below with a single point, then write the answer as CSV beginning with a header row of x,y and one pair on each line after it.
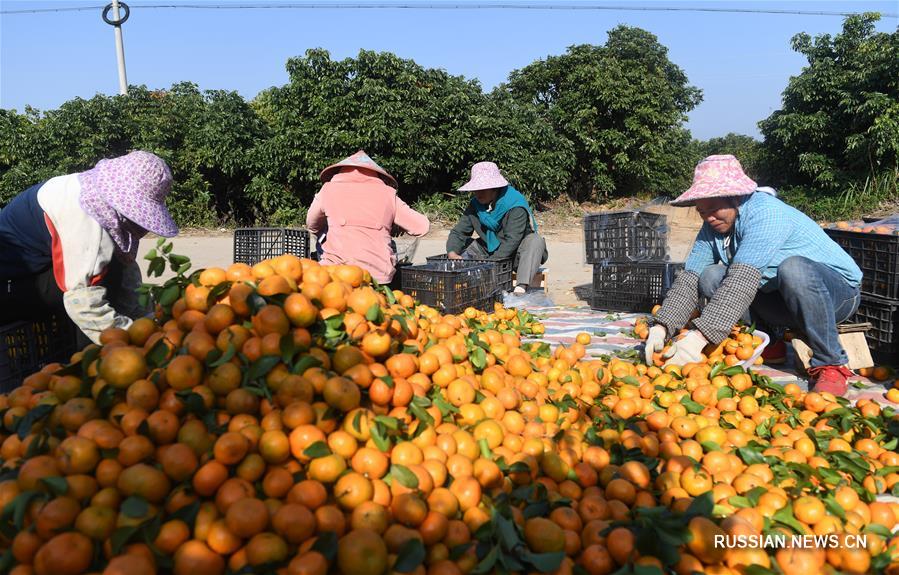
x,y
680,301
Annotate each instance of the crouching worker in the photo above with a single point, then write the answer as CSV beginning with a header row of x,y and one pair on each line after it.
x,y
502,219
759,260
70,243
353,215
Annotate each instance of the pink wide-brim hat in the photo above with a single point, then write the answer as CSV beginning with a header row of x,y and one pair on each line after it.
x,y
135,186
719,176
484,176
358,160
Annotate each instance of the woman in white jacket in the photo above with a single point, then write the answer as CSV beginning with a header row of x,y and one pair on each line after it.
x,y
70,243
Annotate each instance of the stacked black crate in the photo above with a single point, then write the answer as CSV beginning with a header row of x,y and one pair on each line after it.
x,y
877,254
629,254
253,245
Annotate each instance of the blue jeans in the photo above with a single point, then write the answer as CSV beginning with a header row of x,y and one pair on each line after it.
x,y
808,296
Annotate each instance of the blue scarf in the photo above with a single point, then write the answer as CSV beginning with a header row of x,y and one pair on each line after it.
x,y
505,201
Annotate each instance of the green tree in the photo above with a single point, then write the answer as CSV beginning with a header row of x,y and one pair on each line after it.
x,y
622,107
835,142
746,149
423,125
204,137
21,151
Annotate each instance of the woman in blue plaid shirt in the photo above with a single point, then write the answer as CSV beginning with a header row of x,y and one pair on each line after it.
x,y
759,260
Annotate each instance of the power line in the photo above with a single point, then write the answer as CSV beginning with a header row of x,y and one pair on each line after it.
x,y
451,6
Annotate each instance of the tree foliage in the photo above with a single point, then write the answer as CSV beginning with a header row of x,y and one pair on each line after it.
x,y
746,149
839,125
595,122
424,126
622,107
204,137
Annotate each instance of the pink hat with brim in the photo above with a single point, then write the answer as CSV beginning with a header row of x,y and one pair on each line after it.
x,y
718,176
484,176
135,186
358,160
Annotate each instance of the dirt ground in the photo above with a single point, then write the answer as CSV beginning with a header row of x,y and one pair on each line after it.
x,y
562,228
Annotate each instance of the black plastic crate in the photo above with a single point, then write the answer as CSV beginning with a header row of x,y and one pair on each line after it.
x,y
625,236
28,346
253,245
450,286
878,257
883,337
503,269
632,287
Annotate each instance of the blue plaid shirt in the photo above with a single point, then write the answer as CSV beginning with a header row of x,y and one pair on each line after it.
x,y
767,232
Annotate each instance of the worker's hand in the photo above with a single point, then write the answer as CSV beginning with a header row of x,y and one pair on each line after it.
x,y
454,256
686,349
655,341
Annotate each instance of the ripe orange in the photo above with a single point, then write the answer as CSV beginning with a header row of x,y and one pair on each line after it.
x,y
145,481
56,516
309,563
543,535
402,365
122,366
799,560
211,277
197,298
140,331
294,522
377,344
809,509
24,546
300,310
172,534
195,557
326,469
352,490
271,319
362,552
184,372
266,548
65,554
247,517
289,266
230,448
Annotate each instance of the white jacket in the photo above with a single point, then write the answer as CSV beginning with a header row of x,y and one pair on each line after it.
x,y
82,252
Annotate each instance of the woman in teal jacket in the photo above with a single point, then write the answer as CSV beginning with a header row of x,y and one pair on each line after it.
x,y
502,220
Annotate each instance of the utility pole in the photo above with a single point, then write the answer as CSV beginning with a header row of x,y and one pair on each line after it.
x,y
117,22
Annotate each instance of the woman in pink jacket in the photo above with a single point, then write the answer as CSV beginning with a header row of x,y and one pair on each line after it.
x,y
356,209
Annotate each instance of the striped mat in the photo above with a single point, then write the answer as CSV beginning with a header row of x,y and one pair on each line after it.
x,y
614,332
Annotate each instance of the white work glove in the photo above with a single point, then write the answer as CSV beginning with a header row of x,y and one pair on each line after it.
x,y
687,349
655,341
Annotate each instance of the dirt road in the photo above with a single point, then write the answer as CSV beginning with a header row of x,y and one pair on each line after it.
x,y
566,267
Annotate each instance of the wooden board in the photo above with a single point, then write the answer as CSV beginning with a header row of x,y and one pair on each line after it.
x,y
841,328
538,281
853,327
854,343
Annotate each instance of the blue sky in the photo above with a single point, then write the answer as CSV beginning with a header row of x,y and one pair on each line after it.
x,y
742,62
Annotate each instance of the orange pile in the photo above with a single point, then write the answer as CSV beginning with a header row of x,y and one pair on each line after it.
x,y
739,347
291,418
863,227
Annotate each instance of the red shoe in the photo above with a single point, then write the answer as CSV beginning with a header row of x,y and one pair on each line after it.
x,y
775,353
831,378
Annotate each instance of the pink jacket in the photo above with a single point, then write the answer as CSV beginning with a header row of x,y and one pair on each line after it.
x,y
357,210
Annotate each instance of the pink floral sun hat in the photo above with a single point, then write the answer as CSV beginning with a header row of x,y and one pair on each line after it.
x,y
358,160
131,188
719,176
484,176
